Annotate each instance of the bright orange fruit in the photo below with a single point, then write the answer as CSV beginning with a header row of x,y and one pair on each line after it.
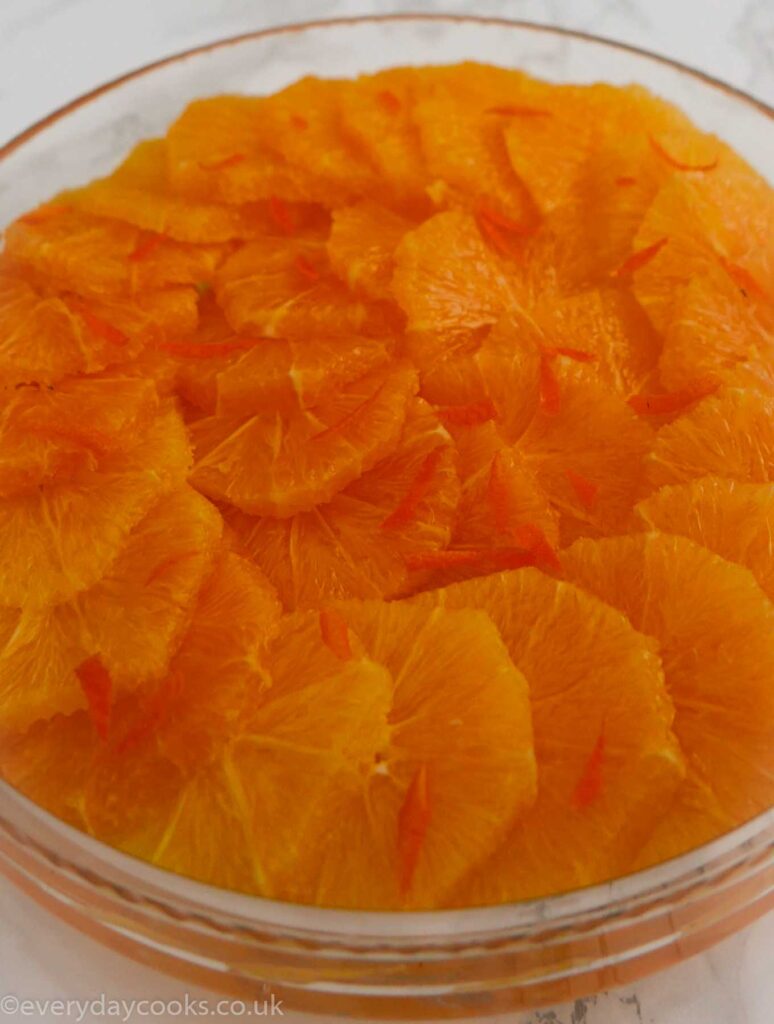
x,y
360,544
270,465
68,534
715,632
732,519
575,652
730,435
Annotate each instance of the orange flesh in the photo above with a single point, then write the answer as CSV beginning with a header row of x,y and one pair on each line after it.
x,y
391,462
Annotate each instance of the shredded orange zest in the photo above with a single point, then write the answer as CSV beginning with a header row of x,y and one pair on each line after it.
x,y
590,783
408,509
101,328
578,354
498,495
500,220
145,247
280,214
335,633
306,268
639,259
514,110
678,164
213,350
389,101
413,821
742,278
98,689
671,401
532,539
222,163
483,559
585,491
470,415
550,393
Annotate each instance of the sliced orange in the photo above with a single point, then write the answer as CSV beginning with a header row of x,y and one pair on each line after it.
x,y
94,257
285,289
462,145
729,435
377,114
462,721
721,218
715,631
275,466
362,245
283,375
360,543
732,519
303,125
593,440
719,333
51,433
147,592
446,280
67,535
575,652
215,152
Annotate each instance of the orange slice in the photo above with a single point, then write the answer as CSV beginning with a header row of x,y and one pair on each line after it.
x,y
378,842
147,592
732,519
359,544
362,245
67,535
715,631
272,466
729,435
285,289
575,652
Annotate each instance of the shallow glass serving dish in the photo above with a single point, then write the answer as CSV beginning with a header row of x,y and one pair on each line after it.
x,y
441,964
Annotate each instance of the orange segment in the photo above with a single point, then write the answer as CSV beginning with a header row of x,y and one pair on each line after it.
x,y
280,375
574,652
48,433
67,535
447,675
732,519
263,289
715,631
147,592
593,434
359,543
362,245
722,218
719,333
377,114
729,435
273,466
302,124
92,257
446,280
215,153
462,145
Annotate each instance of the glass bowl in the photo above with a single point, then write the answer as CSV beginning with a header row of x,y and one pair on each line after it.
x,y
395,966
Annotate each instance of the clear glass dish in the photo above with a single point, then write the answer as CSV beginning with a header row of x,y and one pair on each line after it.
x,y
468,963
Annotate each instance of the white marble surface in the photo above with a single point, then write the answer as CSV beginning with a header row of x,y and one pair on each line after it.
x,y
52,51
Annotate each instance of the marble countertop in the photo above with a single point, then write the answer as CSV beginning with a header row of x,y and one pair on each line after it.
x,y
52,51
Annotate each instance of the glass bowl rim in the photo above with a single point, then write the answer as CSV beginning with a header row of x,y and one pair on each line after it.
x,y
514,917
